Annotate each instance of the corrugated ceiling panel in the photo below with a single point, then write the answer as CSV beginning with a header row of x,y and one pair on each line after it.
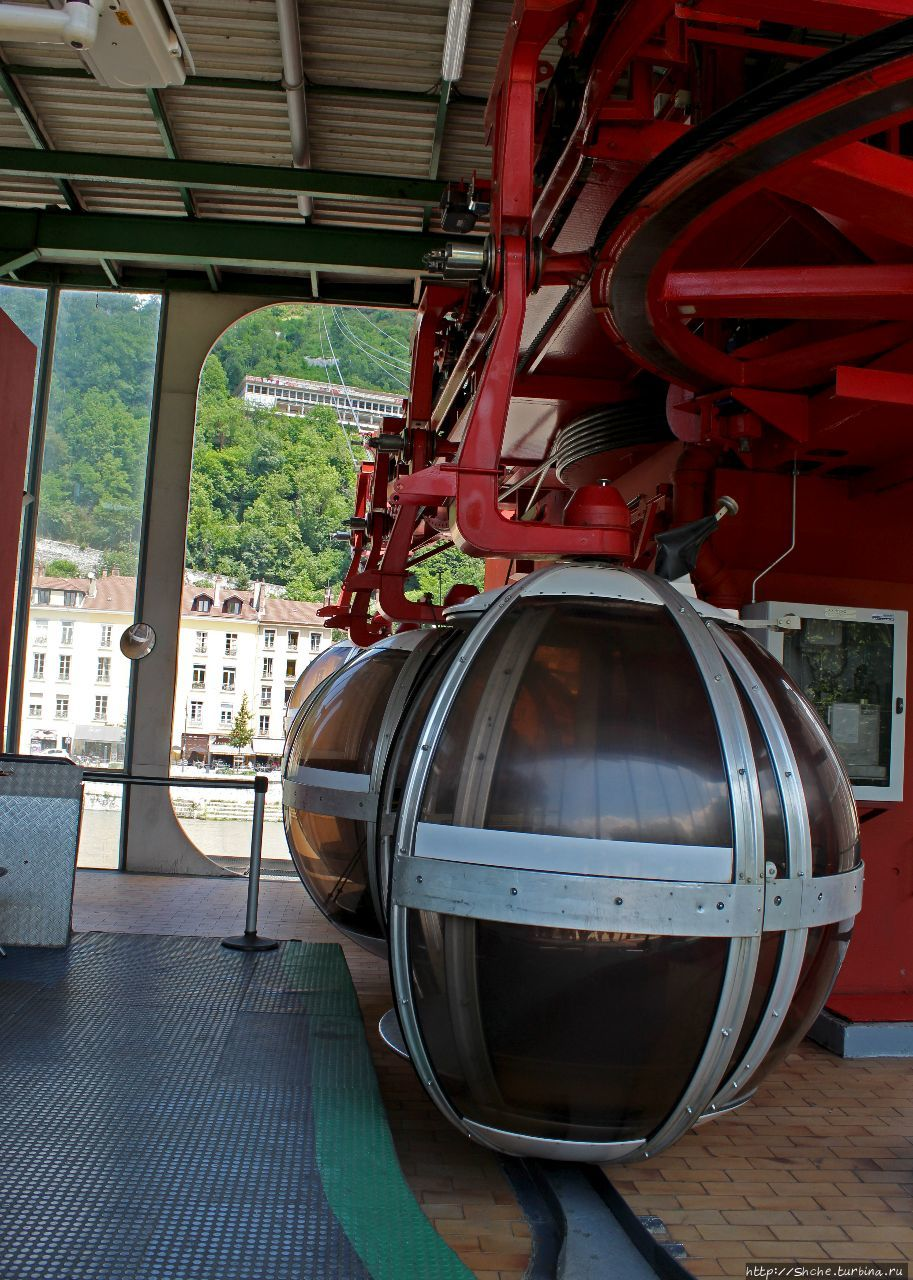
x,y
371,137
29,193
232,37
210,124
105,197
487,28
12,134
82,116
464,147
372,42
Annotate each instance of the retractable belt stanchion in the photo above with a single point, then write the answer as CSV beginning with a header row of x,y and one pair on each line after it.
x,y
250,940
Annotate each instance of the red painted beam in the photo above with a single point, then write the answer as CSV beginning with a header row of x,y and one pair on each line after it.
x,y
881,292
850,17
860,184
17,374
877,385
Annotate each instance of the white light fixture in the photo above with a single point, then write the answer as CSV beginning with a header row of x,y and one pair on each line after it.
x,y
455,40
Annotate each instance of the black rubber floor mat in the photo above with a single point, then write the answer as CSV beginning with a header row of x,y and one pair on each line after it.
x,y
175,1111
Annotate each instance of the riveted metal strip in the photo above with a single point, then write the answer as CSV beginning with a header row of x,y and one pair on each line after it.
x,y
603,904
335,794
521,1144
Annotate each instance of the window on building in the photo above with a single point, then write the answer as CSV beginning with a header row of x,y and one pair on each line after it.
x,y
290,669
266,695
232,605
105,641
42,595
267,667
34,708
62,708
70,599
200,644
269,638
288,694
231,644
264,726
104,671
66,633
101,706
315,641
228,679
202,604
199,678
37,666
226,714
63,670
196,713
40,633
293,641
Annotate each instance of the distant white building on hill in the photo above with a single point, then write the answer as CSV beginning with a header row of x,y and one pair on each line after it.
x,y
354,406
232,643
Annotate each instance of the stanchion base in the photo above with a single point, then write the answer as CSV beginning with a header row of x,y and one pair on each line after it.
x,y
250,942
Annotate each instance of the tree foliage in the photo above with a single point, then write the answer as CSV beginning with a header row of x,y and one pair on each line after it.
x,y
242,731
268,491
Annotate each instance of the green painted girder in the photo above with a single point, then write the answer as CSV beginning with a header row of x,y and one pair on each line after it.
x,y
213,175
247,84
33,129
71,237
334,289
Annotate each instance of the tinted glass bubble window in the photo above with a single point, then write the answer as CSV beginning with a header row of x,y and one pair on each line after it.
x,y
570,723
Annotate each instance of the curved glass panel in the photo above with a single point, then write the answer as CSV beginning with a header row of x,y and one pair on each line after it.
x,y
339,732
315,673
560,1034
571,723
831,808
401,759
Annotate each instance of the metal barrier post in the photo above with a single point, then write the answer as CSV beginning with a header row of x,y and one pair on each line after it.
x,y
250,940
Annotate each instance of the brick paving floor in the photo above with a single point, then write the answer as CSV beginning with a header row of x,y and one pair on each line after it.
x,y
460,1186
817,1167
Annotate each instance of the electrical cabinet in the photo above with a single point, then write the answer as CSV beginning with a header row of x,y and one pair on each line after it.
x,y
851,663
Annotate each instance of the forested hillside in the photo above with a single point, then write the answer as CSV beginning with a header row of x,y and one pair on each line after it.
x,y
268,491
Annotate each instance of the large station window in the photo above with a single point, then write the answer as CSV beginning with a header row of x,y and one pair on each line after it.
x,y
74,689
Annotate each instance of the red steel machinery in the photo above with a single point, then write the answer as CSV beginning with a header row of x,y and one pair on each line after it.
x,y
694,295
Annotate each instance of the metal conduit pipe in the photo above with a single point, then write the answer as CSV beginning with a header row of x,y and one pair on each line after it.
x,y
293,84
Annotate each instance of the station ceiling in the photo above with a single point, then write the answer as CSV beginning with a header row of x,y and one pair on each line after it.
x,y
193,187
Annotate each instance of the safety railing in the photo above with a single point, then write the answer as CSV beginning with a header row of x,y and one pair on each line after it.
x,y
250,940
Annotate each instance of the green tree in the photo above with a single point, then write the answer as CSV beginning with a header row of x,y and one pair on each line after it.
x,y
62,568
242,731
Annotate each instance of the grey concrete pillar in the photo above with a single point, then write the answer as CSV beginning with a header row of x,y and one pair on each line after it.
x,y
154,840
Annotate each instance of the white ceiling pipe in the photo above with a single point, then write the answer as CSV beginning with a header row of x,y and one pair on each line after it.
x,y
75,24
293,83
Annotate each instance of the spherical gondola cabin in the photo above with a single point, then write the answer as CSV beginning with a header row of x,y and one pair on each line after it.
x,y
626,869
315,673
334,765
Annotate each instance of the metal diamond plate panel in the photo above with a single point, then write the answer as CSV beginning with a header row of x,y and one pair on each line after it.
x,y
40,805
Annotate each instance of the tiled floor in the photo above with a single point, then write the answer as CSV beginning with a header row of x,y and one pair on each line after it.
x,y
460,1187
817,1167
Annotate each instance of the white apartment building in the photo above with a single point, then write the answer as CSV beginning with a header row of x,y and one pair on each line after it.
x,y
232,643
354,406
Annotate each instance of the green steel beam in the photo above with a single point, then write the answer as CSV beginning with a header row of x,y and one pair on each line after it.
x,y
33,129
10,265
245,84
334,289
440,123
157,108
172,242
213,175
111,271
